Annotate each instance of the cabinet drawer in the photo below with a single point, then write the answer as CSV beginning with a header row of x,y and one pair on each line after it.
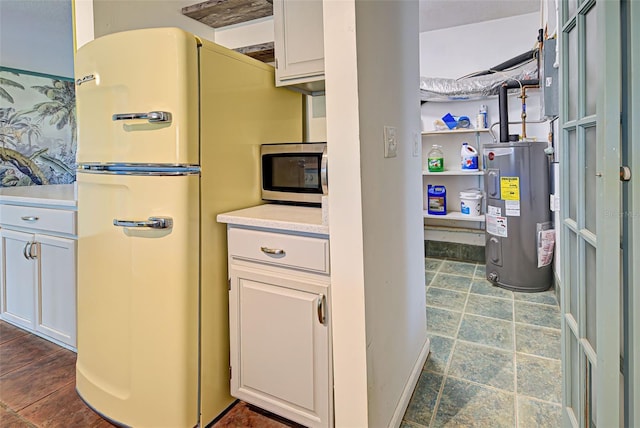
x,y
280,249
41,219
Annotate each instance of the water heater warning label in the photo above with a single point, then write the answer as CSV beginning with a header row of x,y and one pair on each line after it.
x,y
497,225
510,188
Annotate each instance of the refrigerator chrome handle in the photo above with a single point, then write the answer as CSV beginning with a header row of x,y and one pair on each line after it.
x,y
152,116
153,223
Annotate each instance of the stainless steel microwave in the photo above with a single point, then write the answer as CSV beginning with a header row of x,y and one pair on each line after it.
x,y
294,173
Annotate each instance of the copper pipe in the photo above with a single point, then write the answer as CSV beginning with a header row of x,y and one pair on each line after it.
x,y
523,96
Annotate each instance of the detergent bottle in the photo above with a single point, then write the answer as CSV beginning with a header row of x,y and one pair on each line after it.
x,y
468,158
435,159
436,199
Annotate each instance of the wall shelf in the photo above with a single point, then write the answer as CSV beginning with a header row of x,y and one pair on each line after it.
x,y
454,215
262,52
221,13
457,173
456,131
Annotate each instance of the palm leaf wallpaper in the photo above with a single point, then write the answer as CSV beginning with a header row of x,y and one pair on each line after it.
x,y
37,129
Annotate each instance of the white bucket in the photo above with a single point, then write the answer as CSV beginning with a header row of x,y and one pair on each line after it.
x,y
471,202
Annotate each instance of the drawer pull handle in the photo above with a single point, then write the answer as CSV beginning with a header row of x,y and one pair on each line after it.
x,y
321,309
274,251
27,253
153,223
29,218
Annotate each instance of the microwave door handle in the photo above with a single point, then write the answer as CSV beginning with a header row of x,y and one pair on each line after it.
x,y
324,172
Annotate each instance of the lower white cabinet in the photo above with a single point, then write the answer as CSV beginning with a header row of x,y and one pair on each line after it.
x,y
38,281
18,279
280,325
56,288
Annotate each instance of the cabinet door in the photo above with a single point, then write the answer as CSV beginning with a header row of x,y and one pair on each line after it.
x,y
17,279
56,292
299,41
279,347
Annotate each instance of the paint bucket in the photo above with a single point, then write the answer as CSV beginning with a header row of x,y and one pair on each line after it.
x,y
436,200
471,202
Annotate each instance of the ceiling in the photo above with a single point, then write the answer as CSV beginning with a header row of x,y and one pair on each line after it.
x,y
437,14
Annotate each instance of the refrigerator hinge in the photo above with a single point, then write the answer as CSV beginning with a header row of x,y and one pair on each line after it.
x,y
276,63
229,282
230,375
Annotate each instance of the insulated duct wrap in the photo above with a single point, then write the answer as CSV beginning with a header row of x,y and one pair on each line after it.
x,y
469,88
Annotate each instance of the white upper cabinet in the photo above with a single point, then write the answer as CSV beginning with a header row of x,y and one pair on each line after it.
x,y
299,45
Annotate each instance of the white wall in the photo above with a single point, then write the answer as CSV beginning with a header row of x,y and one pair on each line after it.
x,y
457,51
379,320
345,216
36,35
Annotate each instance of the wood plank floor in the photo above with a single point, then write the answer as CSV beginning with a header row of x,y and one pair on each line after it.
x,y
37,389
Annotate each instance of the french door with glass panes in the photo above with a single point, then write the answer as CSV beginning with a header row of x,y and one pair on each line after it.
x,y
599,48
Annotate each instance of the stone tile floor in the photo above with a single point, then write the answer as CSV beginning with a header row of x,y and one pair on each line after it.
x,y
495,354
494,362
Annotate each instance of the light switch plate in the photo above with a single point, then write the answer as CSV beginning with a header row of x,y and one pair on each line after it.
x,y
390,142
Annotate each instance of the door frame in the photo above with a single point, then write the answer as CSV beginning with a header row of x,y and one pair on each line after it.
x,y
598,372
631,209
608,272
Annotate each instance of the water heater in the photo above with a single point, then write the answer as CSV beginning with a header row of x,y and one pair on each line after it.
x,y
517,192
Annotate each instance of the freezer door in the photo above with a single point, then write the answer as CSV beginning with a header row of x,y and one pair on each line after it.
x,y
137,98
138,298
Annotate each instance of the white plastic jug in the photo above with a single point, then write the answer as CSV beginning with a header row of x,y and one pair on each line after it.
x,y
468,158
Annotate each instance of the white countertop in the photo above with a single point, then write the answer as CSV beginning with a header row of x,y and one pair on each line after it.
x,y
280,217
62,195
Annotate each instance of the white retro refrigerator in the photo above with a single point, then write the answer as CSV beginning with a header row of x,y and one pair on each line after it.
x,y
169,128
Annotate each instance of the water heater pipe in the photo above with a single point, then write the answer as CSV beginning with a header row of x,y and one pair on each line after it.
x,y
503,104
524,108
